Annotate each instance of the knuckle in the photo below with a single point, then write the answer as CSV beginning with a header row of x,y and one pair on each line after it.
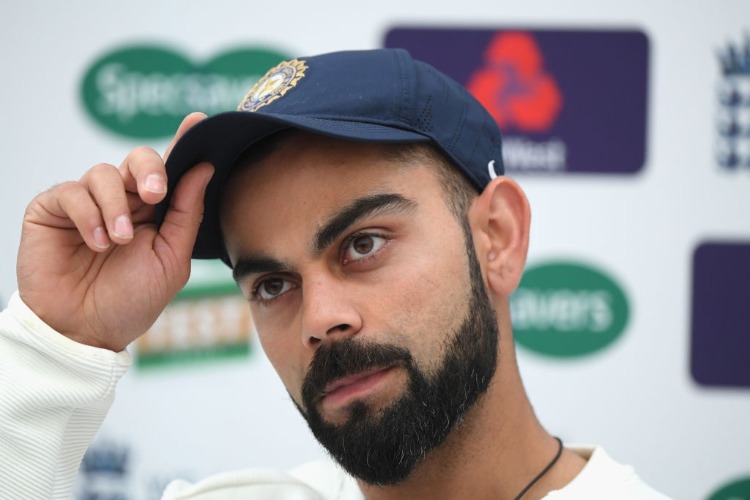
x,y
142,150
89,218
79,208
66,189
139,160
142,154
102,169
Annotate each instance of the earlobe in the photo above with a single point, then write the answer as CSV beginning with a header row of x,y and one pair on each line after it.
x,y
503,217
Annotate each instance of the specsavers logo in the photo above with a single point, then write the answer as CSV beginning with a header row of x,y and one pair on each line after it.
x,y
208,320
144,91
736,490
568,309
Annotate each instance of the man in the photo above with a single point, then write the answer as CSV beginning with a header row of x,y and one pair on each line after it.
x,y
357,197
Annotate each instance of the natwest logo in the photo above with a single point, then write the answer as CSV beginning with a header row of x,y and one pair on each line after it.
x,y
514,86
567,101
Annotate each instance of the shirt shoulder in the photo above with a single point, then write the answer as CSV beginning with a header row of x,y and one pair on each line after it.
x,y
319,480
603,477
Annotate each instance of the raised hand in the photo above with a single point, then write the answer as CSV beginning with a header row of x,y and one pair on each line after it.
x,y
93,265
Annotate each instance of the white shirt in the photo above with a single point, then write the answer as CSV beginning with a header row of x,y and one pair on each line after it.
x,y
55,393
601,478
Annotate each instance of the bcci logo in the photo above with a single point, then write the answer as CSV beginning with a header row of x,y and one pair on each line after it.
x,y
273,85
733,127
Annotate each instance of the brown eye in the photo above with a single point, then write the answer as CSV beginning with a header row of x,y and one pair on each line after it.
x,y
271,288
363,244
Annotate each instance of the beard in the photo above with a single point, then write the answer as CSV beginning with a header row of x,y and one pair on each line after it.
x,y
382,447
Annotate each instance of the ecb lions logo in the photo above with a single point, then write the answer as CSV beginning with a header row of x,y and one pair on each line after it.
x,y
733,118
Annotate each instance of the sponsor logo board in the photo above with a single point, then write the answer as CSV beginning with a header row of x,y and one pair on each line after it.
x,y
144,91
208,320
568,309
567,101
720,335
738,489
733,117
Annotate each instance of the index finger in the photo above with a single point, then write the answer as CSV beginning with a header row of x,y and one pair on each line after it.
x,y
143,172
143,169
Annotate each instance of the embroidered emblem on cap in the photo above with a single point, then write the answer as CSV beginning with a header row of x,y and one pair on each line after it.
x,y
274,84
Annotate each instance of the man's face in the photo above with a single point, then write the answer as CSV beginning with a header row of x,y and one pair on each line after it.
x,y
360,281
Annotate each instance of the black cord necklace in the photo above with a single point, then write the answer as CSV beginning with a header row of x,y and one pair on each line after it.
x,y
544,471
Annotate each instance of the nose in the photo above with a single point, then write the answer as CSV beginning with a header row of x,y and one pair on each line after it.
x,y
329,312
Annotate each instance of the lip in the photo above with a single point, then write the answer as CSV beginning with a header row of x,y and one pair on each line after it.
x,y
341,391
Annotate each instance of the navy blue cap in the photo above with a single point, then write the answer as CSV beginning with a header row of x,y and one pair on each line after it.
x,y
381,96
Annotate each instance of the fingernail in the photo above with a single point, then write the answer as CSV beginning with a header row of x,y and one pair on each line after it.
x,y
155,184
123,227
100,237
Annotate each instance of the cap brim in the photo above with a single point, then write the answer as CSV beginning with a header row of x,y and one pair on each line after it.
x,y
221,139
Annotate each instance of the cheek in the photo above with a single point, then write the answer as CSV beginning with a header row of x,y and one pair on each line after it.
x,y
284,359
429,301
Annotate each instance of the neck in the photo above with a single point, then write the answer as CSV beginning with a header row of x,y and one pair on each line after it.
x,y
494,452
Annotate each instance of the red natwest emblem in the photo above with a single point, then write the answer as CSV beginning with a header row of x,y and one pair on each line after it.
x,y
513,85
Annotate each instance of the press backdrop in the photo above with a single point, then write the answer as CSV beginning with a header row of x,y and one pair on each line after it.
x,y
627,123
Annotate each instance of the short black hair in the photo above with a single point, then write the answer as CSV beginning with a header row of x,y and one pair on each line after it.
x,y
459,191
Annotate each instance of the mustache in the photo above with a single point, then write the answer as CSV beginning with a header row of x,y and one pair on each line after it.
x,y
346,357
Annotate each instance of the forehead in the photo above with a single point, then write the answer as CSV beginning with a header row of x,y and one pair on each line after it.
x,y
290,149
306,177
322,163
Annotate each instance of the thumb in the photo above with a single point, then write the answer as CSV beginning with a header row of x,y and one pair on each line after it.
x,y
185,212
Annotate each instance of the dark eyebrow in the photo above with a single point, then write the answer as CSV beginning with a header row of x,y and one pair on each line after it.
x,y
247,265
357,210
360,208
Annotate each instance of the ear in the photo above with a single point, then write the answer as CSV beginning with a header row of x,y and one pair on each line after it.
x,y
501,219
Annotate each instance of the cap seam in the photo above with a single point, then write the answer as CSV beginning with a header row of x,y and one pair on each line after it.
x,y
406,92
